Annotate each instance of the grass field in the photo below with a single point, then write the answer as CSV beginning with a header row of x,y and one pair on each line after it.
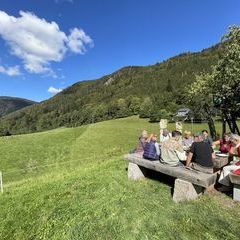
x,y
71,183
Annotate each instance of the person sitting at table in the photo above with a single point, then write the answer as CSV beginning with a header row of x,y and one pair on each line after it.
x,y
207,138
200,156
224,144
142,142
164,135
187,140
151,148
234,151
172,152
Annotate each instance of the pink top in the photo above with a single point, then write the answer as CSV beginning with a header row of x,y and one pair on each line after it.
x,y
225,146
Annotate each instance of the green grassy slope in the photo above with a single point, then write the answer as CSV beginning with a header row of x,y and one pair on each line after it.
x,y
86,194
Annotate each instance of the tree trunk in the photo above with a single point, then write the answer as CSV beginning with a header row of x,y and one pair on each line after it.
x,y
223,125
232,121
210,122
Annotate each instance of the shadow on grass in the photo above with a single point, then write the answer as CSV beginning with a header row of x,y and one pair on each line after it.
x,y
169,180
157,176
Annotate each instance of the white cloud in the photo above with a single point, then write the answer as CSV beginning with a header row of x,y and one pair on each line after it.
x,y
77,41
10,71
38,42
54,90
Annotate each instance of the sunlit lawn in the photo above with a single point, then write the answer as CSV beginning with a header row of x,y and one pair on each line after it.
x,y
72,184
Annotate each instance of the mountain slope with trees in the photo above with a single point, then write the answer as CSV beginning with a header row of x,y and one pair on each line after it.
x,y
151,91
11,104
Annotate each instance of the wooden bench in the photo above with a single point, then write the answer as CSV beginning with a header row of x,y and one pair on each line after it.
x,y
189,184
235,179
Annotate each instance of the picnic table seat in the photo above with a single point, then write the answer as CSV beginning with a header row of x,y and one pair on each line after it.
x,y
235,180
189,184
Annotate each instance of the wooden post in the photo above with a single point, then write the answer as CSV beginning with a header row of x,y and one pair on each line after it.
x,y
1,182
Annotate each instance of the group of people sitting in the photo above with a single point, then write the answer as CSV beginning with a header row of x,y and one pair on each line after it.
x,y
193,152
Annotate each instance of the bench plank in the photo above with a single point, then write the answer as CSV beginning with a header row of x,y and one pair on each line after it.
x,y
198,178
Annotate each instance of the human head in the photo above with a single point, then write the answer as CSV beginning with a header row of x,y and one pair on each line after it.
x,y
205,133
152,137
187,134
226,137
235,139
176,135
144,134
198,137
165,132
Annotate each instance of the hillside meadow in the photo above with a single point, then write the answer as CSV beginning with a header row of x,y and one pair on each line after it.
x,y
71,183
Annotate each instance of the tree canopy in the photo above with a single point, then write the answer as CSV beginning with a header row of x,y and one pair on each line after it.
x,y
221,87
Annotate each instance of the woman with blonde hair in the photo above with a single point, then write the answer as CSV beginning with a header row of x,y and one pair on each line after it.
x,y
234,151
152,149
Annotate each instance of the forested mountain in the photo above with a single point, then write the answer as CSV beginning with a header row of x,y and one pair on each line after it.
x,y
11,104
150,91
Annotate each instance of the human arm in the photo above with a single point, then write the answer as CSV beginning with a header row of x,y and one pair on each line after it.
x,y
232,151
189,159
190,155
161,135
216,143
157,148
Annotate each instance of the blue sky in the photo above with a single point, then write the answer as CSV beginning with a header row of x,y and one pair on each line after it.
x,y
48,45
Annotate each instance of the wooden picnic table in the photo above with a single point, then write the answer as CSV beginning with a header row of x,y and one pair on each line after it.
x,y
219,162
189,184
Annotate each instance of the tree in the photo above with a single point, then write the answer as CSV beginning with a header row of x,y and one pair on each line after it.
x,y
135,105
222,85
225,82
158,114
169,87
146,107
200,97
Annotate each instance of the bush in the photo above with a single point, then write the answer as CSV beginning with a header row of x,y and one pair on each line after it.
x,y
158,114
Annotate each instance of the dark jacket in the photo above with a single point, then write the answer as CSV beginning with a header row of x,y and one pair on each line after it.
x,y
150,151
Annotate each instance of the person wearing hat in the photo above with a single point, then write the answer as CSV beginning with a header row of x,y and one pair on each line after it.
x,y
201,155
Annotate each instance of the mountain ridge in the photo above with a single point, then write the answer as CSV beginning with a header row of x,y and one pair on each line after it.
x,y
10,104
131,90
